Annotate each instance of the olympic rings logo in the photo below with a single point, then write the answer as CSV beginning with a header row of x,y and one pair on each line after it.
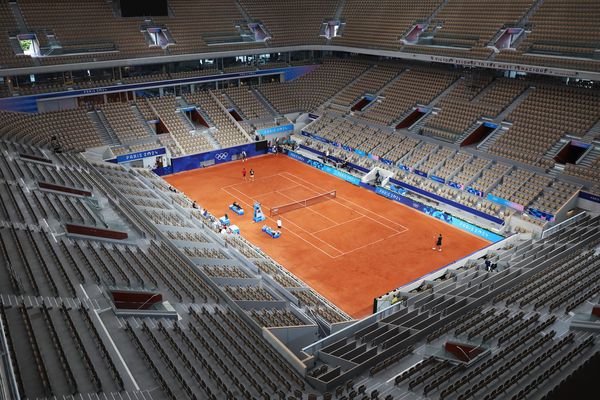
x,y
221,156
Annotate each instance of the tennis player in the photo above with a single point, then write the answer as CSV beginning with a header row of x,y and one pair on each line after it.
x,y
438,244
251,174
244,173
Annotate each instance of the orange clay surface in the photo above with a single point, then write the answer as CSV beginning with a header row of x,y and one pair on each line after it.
x,y
350,249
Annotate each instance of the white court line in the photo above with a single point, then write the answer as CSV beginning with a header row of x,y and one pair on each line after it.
x,y
356,204
291,231
397,232
315,211
257,196
404,228
372,243
297,184
255,180
341,223
365,245
304,230
372,212
396,224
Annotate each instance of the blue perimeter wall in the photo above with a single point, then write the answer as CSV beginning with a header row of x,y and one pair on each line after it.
x,y
187,163
420,191
191,162
400,198
415,189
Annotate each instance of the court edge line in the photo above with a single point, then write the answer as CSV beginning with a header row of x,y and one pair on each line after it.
x,y
395,224
291,231
340,223
342,253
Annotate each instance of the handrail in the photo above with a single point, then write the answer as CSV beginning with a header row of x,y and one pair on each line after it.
x,y
550,231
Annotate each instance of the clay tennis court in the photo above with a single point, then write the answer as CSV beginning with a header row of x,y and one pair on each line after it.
x,y
351,248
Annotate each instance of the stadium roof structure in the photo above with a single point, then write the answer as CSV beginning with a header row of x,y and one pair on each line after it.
x,y
520,36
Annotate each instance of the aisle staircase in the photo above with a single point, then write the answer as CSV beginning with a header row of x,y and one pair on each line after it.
x,y
459,139
329,101
108,137
593,133
136,111
534,7
516,103
265,102
590,157
553,151
489,141
233,120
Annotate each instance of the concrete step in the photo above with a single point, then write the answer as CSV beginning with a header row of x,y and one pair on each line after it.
x,y
435,12
489,141
233,120
445,93
101,129
390,83
556,170
186,120
590,157
468,131
484,91
265,102
534,7
352,82
16,11
136,111
556,148
516,103
593,133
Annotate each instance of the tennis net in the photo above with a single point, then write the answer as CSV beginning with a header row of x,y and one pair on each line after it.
x,y
303,203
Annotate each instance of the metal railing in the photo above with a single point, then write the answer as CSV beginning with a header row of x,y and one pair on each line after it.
x,y
550,231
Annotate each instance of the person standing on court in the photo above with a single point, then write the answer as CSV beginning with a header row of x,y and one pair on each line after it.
x,y
244,155
251,175
244,173
438,243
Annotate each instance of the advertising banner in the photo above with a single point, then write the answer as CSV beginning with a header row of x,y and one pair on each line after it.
x,y
275,129
219,156
540,214
450,219
441,199
444,200
141,154
474,191
437,179
30,103
590,196
505,202
456,185
325,168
